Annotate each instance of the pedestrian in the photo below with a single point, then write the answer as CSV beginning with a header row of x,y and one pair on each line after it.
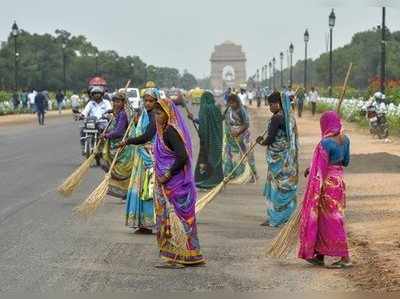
x,y
243,97
140,198
24,99
40,106
175,195
237,140
227,94
313,98
282,161
300,97
121,171
75,105
60,100
250,96
258,96
322,224
31,100
15,100
209,171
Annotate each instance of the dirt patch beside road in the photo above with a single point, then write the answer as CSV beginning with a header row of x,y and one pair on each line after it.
x,y
15,119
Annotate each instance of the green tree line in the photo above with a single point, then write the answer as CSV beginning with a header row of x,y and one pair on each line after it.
x,y
41,57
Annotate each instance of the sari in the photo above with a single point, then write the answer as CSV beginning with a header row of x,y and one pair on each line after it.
x,y
236,147
282,176
322,223
122,169
139,204
176,199
210,133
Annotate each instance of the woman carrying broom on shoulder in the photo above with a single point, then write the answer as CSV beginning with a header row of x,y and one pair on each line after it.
x,y
122,169
209,171
282,161
175,192
237,139
322,223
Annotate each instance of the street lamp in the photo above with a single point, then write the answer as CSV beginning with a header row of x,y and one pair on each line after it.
x,y
132,64
64,46
291,50
332,20
383,51
15,32
306,40
281,57
270,74
273,72
97,62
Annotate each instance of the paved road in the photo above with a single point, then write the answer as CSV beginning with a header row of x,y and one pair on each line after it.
x,y
43,247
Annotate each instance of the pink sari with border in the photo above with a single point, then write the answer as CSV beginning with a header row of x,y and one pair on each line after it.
x,y
322,224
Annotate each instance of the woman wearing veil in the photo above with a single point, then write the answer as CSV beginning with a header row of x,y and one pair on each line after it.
x,y
322,224
175,192
209,171
282,161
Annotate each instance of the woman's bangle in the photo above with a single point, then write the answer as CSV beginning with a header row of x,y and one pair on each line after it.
x,y
167,174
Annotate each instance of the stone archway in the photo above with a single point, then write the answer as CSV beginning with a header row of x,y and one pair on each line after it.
x,y
228,66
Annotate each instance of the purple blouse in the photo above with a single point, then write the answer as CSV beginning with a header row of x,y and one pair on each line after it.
x,y
121,124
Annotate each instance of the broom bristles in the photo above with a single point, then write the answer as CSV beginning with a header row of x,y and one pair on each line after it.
x,y
287,238
95,199
207,198
75,179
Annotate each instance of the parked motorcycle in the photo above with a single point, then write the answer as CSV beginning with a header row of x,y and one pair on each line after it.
x,y
378,125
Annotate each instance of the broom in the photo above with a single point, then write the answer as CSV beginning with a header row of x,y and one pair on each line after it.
x,y
96,198
287,238
75,179
207,198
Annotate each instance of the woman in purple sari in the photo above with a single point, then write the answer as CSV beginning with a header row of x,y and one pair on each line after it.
x,y
175,194
322,224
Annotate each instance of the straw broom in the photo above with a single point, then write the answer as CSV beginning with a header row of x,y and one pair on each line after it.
x,y
96,198
207,198
288,236
75,179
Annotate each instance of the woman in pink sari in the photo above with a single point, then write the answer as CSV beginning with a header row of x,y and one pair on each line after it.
x,y
322,225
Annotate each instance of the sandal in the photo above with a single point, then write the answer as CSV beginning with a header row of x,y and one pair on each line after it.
x,y
340,265
169,265
316,262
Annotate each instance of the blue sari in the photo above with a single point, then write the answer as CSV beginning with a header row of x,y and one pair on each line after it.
x,y
139,204
282,176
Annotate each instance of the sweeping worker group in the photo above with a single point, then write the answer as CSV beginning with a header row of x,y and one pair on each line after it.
x,y
149,156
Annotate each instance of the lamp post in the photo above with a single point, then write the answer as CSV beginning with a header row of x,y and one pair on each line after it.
x,y
132,64
281,58
270,74
15,32
274,72
97,62
383,51
291,50
332,20
64,46
306,40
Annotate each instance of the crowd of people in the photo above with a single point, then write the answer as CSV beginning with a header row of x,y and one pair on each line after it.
x,y
156,177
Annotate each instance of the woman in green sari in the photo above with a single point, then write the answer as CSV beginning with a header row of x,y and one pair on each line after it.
x,y
209,171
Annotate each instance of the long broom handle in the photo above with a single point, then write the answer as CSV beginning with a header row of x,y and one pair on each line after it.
x,y
188,112
228,177
344,88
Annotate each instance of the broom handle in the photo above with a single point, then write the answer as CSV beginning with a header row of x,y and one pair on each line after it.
x,y
344,88
188,112
243,157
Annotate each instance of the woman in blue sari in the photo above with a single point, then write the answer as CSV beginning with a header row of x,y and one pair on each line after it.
x,y
282,161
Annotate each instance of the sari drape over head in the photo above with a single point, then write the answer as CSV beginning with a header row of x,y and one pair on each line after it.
x,y
177,197
282,176
322,224
210,132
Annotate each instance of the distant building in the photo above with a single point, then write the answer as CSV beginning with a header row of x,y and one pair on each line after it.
x,y
228,66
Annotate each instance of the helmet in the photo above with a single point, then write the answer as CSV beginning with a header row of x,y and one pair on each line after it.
x,y
96,89
379,95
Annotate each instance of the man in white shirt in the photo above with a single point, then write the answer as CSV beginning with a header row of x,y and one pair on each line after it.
x,y
250,96
75,103
31,100
97,106
313,98
243,97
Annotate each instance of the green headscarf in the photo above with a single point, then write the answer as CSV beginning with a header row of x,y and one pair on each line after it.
x,y
211,136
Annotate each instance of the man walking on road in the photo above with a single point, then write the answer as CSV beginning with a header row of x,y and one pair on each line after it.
x,y
40,103
60,99
314,97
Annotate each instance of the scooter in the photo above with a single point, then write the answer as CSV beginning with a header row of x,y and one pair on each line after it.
x,y
91,130
378,125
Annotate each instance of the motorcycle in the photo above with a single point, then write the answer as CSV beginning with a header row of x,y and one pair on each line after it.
x,y
91,130
377,122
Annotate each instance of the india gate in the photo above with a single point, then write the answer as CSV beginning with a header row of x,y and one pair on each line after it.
x,y
228,66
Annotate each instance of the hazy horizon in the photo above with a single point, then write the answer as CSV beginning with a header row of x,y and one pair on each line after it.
x,y
182,34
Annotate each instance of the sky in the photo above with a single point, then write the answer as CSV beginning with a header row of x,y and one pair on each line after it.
x,y
182,33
